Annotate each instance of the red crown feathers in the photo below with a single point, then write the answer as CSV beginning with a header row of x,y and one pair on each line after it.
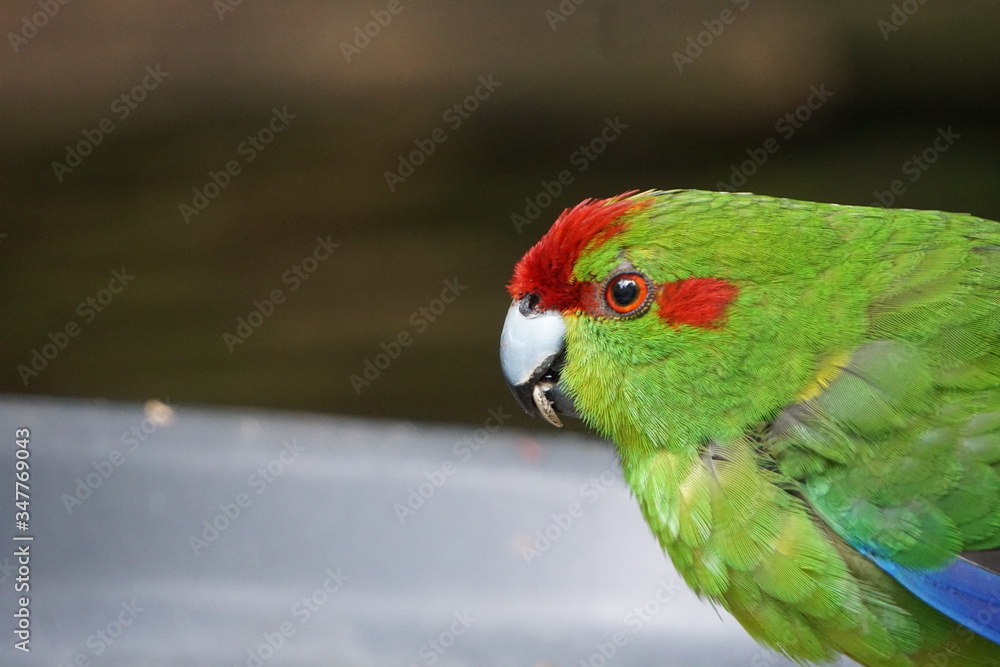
x,y
547,269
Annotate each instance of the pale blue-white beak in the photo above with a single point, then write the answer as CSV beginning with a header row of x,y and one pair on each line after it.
x,y
531,356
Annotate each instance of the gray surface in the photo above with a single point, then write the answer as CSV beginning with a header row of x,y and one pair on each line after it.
x,y
333,508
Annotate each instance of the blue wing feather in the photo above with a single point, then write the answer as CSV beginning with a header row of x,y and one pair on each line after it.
x,y
963,591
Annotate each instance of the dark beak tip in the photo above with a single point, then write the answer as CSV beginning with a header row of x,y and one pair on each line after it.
x,y
522,394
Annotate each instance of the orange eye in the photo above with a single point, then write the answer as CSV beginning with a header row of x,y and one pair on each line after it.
x,y
626,293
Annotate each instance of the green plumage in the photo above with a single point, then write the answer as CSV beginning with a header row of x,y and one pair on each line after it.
x,y
851,395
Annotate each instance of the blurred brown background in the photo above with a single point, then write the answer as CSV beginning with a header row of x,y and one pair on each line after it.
x,y
695,90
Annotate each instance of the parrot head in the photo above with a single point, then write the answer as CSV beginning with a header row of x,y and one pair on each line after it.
x,y
632,313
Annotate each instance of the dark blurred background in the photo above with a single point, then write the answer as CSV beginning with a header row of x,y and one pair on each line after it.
x,y
685,93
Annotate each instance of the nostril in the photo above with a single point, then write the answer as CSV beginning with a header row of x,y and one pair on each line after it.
x,y
529,304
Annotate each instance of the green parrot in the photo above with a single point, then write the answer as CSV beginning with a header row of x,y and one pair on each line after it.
x,y
805,400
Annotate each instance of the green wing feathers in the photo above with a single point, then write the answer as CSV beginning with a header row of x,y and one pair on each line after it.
x,y
913,418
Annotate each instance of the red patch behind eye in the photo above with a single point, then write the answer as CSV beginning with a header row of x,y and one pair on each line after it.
x,y
699,302
547,269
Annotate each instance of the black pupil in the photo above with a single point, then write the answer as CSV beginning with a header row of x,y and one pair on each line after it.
x,y
625,292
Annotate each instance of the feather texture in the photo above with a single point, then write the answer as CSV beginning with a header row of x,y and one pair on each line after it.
x,y
818,448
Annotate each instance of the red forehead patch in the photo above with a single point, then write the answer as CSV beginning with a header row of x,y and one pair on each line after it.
x,y
547,269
